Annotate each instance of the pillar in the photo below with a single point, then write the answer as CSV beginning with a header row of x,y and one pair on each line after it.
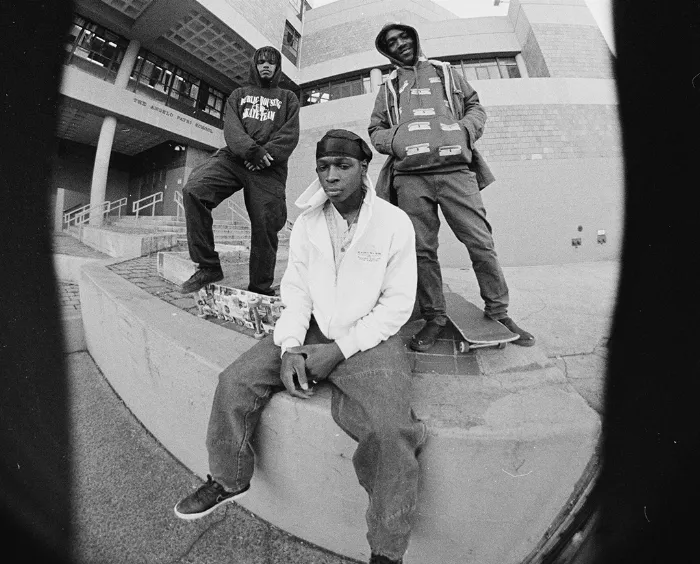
x,y
98,187
521,65
375,79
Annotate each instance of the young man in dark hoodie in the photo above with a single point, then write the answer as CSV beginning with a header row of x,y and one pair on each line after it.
x,y
428,119
261,129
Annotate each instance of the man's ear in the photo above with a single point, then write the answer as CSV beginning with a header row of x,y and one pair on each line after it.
x,y
364,165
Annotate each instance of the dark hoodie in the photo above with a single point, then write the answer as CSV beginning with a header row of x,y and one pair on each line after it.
x,y
453,100
262,118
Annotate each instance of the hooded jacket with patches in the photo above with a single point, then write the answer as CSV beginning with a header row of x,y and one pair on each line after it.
x,y
262,118
387,116
371,294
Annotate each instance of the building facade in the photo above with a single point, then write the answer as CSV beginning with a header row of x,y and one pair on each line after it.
x,y
145,83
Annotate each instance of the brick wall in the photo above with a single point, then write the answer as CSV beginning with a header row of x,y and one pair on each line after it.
x,y
573,50
558,167
517,133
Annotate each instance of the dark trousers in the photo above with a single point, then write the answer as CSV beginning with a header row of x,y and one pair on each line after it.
x,y
457,194
371,403
211,183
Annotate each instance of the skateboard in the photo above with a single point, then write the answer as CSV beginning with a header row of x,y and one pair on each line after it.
x,y
476,330
247,309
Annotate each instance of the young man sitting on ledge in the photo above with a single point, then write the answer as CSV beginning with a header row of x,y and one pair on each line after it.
x,y
349,286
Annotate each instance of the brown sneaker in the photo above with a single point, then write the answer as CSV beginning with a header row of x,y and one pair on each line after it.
x,y
202,277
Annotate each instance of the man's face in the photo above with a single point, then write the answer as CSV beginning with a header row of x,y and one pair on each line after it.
x,y
340,177
401,46
265,69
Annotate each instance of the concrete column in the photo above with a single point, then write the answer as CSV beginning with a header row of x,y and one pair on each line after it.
x,y
128,63
521,65
375,79
101,168
58,209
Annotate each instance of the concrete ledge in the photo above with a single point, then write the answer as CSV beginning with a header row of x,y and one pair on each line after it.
x,y
504,453
126,245
67,267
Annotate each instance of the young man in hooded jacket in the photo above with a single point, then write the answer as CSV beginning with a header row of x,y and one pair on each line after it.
x,y
261,129
428,119
349,286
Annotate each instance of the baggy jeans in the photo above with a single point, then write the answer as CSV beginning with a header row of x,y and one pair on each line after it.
x,y
457,194
370,402
219,177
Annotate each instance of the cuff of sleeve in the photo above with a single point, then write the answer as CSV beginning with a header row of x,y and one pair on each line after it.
x,y
288,343
255,154
348,345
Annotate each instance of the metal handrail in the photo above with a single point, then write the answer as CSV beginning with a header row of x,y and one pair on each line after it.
x,y
77,215
118,205
180,204
82,214
236,209
143,203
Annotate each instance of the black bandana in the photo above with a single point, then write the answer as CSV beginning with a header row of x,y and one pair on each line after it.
x,y
343,143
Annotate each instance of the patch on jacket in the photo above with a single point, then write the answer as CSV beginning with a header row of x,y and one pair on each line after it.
x,y
370,254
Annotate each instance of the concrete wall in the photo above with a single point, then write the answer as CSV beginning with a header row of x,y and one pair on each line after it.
x,y
72,168
102,98
560,38
554,147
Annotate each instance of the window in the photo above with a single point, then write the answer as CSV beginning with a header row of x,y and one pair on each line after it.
x,y
94,48
178,88
290,42
326,91
487,69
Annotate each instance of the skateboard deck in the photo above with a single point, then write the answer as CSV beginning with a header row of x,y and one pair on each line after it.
x,y
475,329
247,309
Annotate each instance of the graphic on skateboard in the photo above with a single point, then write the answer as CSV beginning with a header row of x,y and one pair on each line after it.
x,y
476,330
248,309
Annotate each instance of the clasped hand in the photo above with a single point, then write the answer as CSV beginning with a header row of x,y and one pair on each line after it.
x,y
308,363
264,163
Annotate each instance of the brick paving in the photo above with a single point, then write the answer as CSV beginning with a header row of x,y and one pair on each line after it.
x,y
68,297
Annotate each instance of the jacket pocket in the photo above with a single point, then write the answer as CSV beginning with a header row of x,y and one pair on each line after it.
x,y
430,142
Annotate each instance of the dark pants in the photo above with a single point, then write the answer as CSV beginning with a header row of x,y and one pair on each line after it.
x,y
457,194
211,183
371,393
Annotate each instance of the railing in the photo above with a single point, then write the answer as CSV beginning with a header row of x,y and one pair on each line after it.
x,y
144,203
82,214
180,204
237,210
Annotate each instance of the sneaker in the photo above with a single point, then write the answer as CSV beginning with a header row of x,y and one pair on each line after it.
x,y
525,340
202,277
426,337
206,499
379,559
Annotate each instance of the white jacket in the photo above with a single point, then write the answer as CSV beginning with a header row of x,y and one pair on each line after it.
x,y
372,295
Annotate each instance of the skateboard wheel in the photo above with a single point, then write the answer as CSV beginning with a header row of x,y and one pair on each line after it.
x,y
463,347
501,345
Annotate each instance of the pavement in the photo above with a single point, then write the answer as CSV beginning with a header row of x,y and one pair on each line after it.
x,y
125,483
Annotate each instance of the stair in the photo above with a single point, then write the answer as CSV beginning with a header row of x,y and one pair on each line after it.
x,y
225,232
